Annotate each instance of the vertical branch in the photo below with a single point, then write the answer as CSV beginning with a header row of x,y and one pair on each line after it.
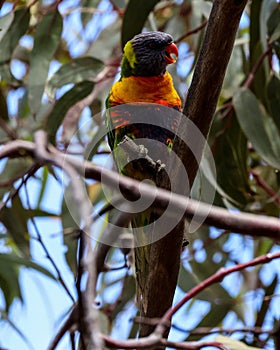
x,y
90,321
200,107
208,76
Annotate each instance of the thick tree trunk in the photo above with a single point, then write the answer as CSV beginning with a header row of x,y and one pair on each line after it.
x,y
200,106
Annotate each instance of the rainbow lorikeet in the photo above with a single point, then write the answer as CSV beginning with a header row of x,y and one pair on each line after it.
x,y
144,85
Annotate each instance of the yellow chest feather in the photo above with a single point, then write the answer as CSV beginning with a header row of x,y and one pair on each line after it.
x,y
133,89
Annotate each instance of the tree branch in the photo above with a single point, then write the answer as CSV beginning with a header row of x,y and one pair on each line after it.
x,y
216,278
91,318
208,76
244,223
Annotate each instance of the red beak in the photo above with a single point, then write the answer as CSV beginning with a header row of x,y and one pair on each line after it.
x,y
171,53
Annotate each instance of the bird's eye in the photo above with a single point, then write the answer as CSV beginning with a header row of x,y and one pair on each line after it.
x,y
152,46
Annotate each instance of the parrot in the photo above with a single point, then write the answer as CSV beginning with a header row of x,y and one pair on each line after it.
x,y
143,86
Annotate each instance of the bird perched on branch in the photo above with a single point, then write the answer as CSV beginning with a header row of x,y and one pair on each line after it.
x,y
143,87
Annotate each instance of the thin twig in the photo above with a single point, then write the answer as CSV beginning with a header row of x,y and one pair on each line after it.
x,y
229,331
249,79
151,341
45,249
191,32
216,278
257,65
274,196
10,133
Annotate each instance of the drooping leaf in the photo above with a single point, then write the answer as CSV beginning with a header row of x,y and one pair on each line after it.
x,y
273,98
128,293
9,273
14,169
74,72
15,220
213,318
44,179
16,30
86,14
9,283
234,344
70,222
77,93
262,314
103,47
257,126
3,107
5,22
231,163
273,25
135,16
266,9
46,41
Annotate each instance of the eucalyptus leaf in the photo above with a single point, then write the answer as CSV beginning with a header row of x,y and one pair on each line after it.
x,y
87,14
234,344
273,25
15,220
9,273
16,30
56,116
3,107
135,16
46,41
257,126
273,98
5,22
266,9
74,72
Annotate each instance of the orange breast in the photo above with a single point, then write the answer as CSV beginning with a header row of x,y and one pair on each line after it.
x,y
157,89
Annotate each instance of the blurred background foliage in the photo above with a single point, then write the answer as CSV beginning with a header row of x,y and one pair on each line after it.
x,y
58,60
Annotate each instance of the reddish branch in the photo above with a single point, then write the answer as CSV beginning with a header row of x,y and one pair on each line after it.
x,y
216,278
151,341
191,32
274,196
249,80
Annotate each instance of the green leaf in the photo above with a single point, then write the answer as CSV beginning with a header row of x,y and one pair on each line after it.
x,y
231,164
46,41
273,98
20,261
104,46
213,318
87,15
5,23
16,30
74,72
44,179
14,169
273,25
3,107
262,313
15,219
77,93
128,294
9,271
257,126
70,218
135,16
266,9
233,344
9,283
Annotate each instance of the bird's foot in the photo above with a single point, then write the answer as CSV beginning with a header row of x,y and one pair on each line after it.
x,y
159,165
